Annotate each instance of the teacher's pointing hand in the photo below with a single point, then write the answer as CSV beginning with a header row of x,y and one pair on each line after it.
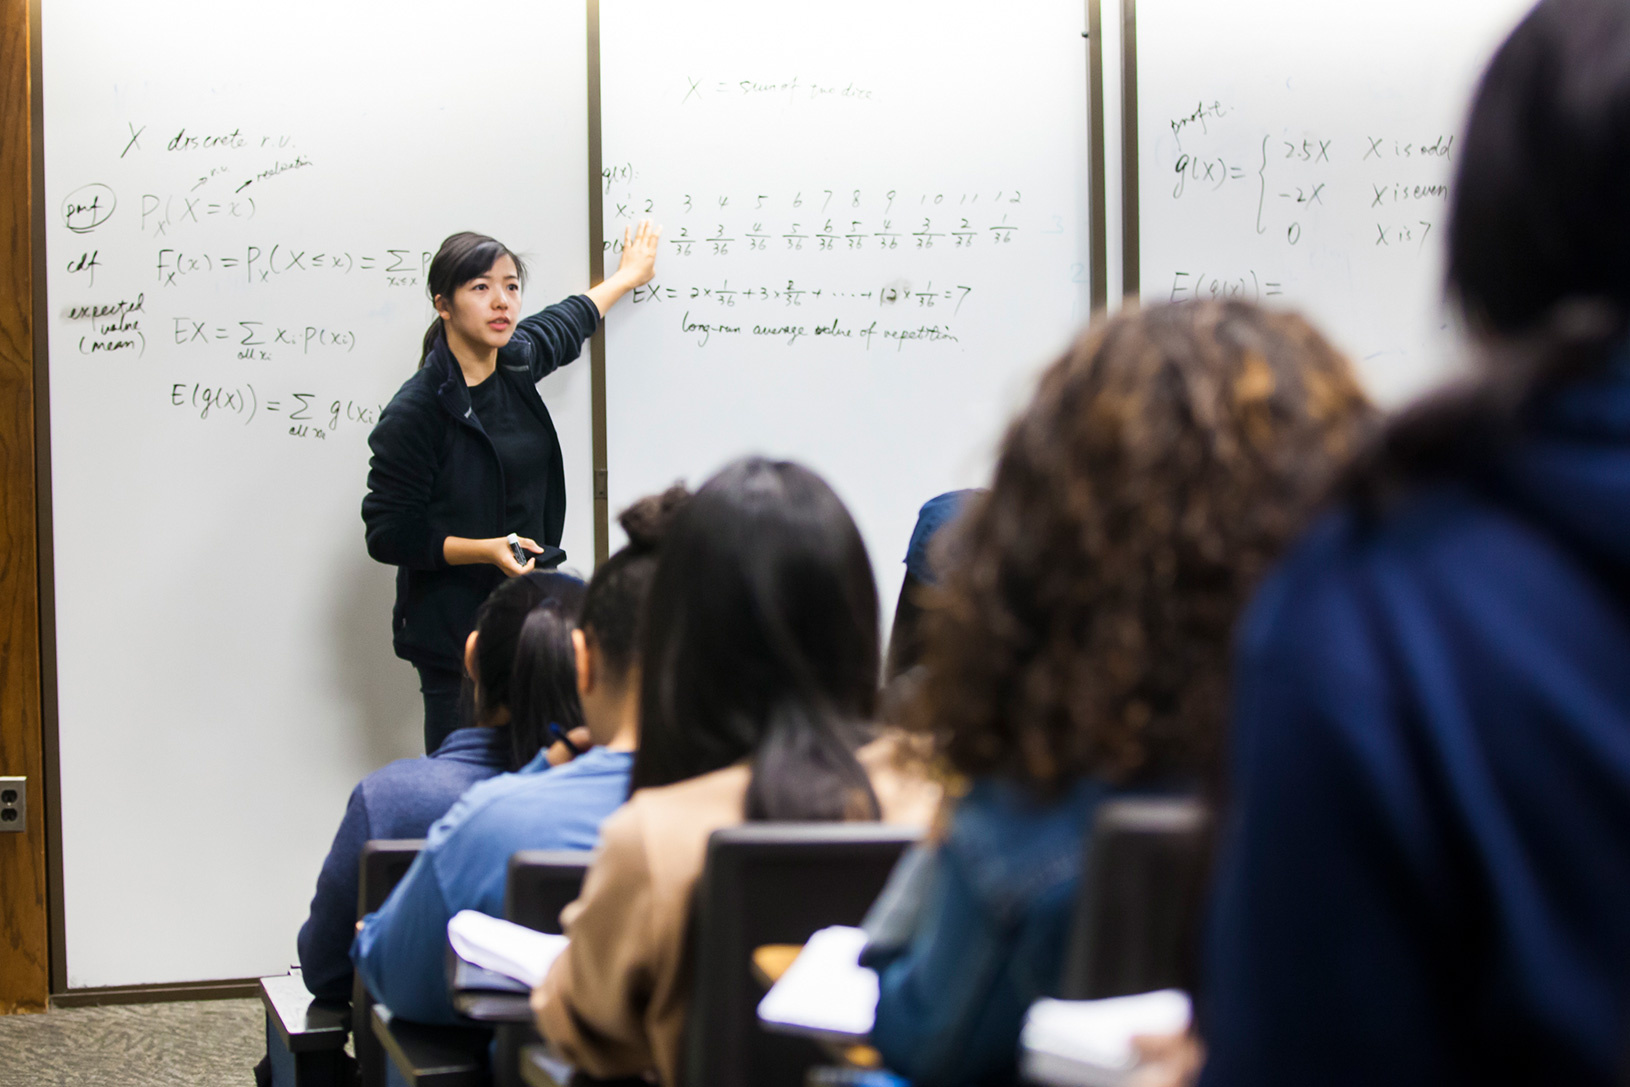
x,y
635,269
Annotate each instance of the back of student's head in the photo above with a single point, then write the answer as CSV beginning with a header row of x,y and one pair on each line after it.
x,y
1541,213
761,642
523,660
543,687
1165,460
1538,232
615,600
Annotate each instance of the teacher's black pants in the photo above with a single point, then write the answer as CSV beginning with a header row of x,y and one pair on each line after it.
x,y
447,703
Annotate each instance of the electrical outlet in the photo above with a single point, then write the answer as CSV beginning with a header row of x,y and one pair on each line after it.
x,y
13,805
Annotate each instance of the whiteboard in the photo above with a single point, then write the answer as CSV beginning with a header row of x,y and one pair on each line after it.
x,y
875,226
241,199
1301,154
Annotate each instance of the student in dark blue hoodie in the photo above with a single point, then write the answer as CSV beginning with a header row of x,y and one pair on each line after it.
x,y
1425,877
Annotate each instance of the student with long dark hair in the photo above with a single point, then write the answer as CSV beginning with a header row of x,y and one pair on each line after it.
x,y
403,799
401,949
1078,644
760,658
1426,877
466,454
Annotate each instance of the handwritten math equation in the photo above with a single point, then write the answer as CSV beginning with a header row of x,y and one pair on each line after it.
x,y
256,340
258,264
761,236
213,174
1210,286
823,220
308,414
1398,181
791,294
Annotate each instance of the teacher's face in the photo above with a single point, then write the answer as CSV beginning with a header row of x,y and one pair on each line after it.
x,y
484,310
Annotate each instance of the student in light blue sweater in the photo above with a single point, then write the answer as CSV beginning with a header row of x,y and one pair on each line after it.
x,y
400,949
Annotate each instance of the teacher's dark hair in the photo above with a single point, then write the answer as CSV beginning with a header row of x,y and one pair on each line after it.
x,y
761,642
461,258
1539,228
524,661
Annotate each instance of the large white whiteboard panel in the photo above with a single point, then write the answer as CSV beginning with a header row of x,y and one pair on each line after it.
x,y
1301,154
876,234
259,186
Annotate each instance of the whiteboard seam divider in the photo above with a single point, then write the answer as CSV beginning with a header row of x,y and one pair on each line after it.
x,y
1096,181
597,273
1131,274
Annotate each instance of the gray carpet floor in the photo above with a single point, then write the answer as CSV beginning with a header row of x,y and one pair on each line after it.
x,y
211,1043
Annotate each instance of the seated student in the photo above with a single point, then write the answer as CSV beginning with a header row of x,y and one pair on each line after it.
x,y
902,664
760,657
905,635
1427,877
1079,647
401,949
403,799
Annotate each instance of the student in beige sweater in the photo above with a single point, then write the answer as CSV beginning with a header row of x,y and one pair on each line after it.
x,y
760,656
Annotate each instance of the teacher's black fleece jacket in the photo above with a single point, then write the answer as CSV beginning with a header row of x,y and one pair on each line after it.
x,y
434,473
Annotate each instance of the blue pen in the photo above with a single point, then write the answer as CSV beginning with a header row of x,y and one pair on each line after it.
x,y
559,735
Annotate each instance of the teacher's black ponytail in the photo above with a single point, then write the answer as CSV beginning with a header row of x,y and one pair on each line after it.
x,y
461,258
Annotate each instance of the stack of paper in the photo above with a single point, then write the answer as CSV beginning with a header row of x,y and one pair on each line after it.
x,y
825,993
1088,1043
504,947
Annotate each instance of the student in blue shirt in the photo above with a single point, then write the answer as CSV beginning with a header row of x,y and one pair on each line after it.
x,y
1077,645
403,799
401,949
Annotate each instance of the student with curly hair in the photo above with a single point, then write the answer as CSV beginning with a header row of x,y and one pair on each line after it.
x,y
1078,647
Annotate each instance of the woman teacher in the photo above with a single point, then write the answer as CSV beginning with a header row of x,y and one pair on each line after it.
x,y
465,453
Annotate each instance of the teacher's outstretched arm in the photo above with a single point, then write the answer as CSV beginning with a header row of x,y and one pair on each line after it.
x,y
634,270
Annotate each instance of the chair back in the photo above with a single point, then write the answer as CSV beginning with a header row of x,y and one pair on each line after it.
x,y
541,883
771,883
1137,920
383,863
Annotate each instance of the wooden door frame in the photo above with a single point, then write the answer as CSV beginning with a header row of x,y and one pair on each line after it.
x,y
24,942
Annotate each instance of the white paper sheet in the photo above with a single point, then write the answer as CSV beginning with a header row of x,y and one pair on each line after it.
x,y
503,946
